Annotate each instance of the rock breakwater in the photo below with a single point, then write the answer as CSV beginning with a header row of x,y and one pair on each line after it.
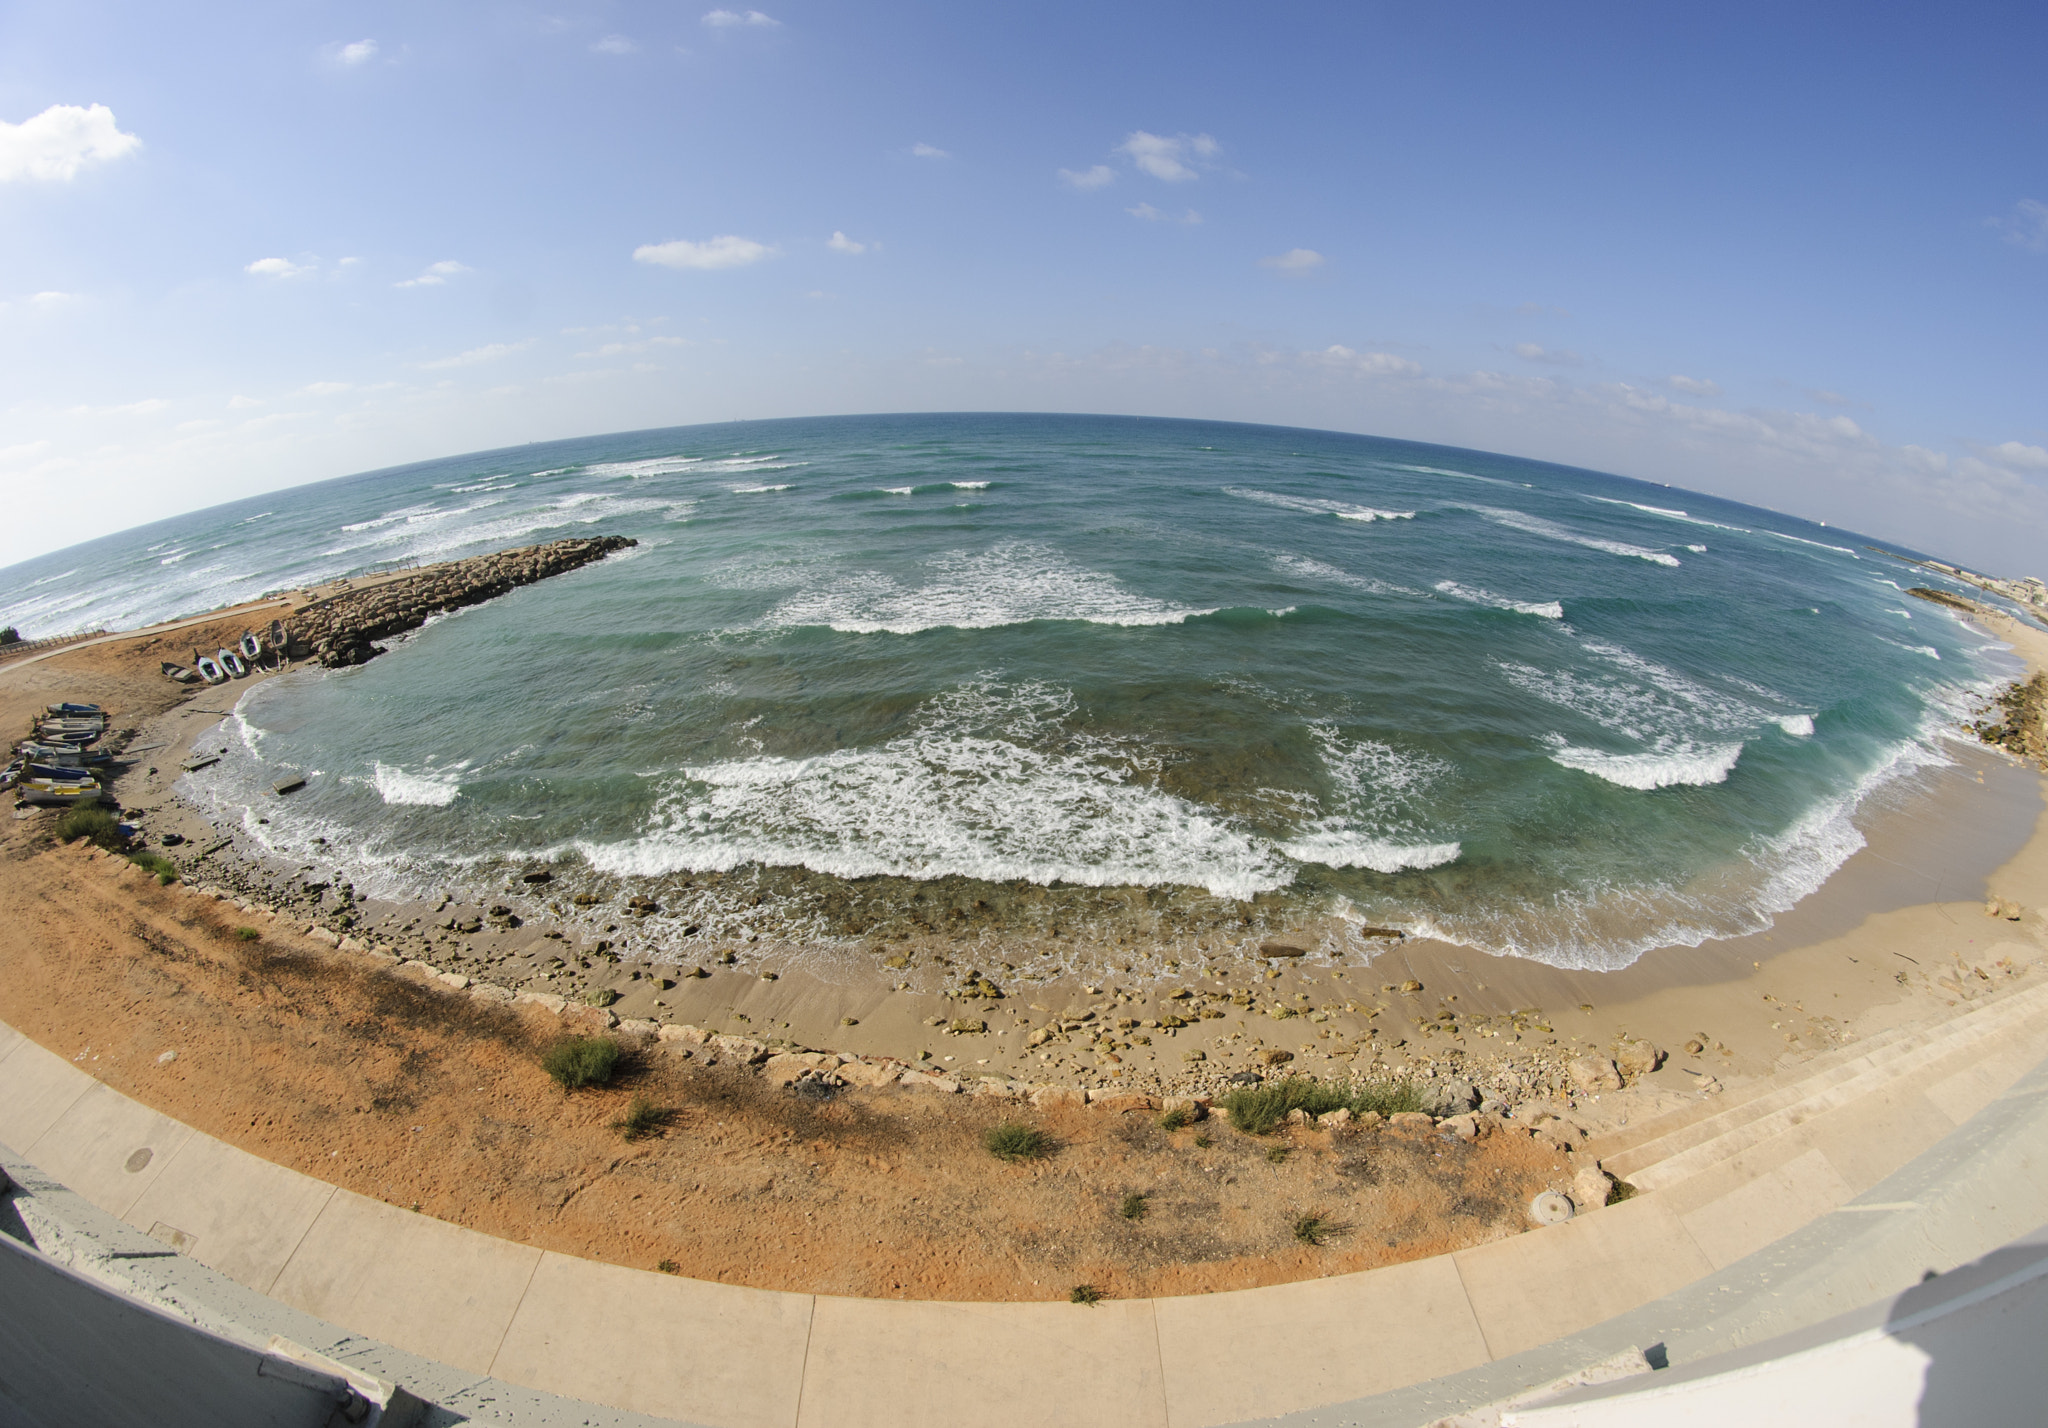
x,y
343,630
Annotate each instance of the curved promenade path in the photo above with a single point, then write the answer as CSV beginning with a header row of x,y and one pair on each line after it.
x,y
1757,1218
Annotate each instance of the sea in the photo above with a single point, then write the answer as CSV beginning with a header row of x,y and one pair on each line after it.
x,y
1077,687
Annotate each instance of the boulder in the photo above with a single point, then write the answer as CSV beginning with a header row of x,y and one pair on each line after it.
x,y
1117,1102
1410,1121
547,1001
1591,1188
1465,1127
790,1065
1337,1120
926,1081
869,1073
683,1034
1273,1056
1636,1057
1594,1073
1046,1097
740,1048
1451,1096
1281,949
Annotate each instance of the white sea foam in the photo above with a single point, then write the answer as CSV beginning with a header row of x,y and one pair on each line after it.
x,y
634,470
1340,849
489,483
757,490
1697,549
1303,568
1816,544
968,485
1007,584
1548,609
991,784
1799,726
1670,513
1370,817
251,520
1343,510
431,788
898,490
1446,471
1551,530
1681,763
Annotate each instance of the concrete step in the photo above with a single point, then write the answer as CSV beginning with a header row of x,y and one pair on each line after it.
x,y
1677,1157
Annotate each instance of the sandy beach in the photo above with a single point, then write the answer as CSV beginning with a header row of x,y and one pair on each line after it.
x,y
330,1058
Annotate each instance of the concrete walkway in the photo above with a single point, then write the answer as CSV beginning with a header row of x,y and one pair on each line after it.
x,y
719,1355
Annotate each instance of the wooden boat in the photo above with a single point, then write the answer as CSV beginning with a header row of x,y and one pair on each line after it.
x,y
179,673
251,647
231,662
56,787
63,711
210,670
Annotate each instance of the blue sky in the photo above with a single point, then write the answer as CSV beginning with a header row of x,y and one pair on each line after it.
x,y
1793,255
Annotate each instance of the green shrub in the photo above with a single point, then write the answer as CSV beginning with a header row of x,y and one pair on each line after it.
x,y
92,823
1013,1140
1133,1206
1174,1119
1084,1294
9,635
642,1118
581,1061
246,934
1202,1141
166,871
1256,1110
1312,1228
669,1266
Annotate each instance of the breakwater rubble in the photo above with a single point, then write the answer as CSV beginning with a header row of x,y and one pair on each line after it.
x,y
343,630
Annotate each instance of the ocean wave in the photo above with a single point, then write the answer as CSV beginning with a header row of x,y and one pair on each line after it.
x,y
1341,849
898,490
429,788
1548,609
1304,568
756,490
1446,471
489,483
974,791
1343,510
1371,815
1929,650
635,470
1551,530
1008,584
1670,513
1816,544
969,485
1657,768
1799,726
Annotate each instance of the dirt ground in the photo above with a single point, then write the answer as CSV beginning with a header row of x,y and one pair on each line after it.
x,y
397,1089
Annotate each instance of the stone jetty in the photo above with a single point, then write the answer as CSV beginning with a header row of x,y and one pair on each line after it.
x,y
342,630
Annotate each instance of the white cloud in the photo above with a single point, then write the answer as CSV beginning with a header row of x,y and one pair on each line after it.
x,y
1364,364
435,275
149,406
622,349
922,150
198,424
2026,226
726,251
1152,215
614,45
60,141
47,301
326,389
1294,260
732,19
1168,157
239,403
1101,176
840,243
1552,356
358,52
2019,455
489,352
278,268
22,451
1693,386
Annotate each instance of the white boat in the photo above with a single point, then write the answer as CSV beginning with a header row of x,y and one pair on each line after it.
x,y
231,662
210,670
58,791
252,648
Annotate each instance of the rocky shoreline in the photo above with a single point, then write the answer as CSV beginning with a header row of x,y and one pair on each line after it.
x,y
343,630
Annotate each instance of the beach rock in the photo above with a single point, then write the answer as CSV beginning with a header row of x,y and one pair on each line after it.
x,y
1039,1037
967,1026
683,1034
1694,1048
1637,1057
1594,1073
1245,1078
1465,1127
782,1069
1451,1097
928,1081
1281,949
1045,1097
1337,1120
1297,1117
869,1073
1273,1056
1366,1120
1187,1106
1410,1121
639,1027
1591,1188
1117,1102
453,979
1410,987
542,876
588,1020
353,944
322,934
487,992
740,1048
547,1001
997,1087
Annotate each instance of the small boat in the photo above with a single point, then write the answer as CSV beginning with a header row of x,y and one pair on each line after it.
x,y
49,732
63,756
210,670
231,662
252,648
58,793
59,711
179,673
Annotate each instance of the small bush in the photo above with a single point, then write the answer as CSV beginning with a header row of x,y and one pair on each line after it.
x,y
1256,1110
9,635
1013,1140
166,871
1174,1119
669,1266
642,1118
1312,1229
582,1061
1202,1141
96,825
1279,1153
1133,1206
1084,1294
1622,1191
246,934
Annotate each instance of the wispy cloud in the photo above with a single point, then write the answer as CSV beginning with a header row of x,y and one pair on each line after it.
x,y
57,143
1170,157
1550,356
279,268
922,150
435,275
622,349
840,243
725,251
1339,358
614,45
1101,176
355,53
734,19
1693,386
489,352
1295,261
2026,226
326,389
242,404
1152,215
49,301
2019,456
149,406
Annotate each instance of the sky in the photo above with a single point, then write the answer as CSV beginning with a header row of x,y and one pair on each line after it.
x,y
1794,255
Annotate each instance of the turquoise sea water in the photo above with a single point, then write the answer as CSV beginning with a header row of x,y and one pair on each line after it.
x,y
1112,682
